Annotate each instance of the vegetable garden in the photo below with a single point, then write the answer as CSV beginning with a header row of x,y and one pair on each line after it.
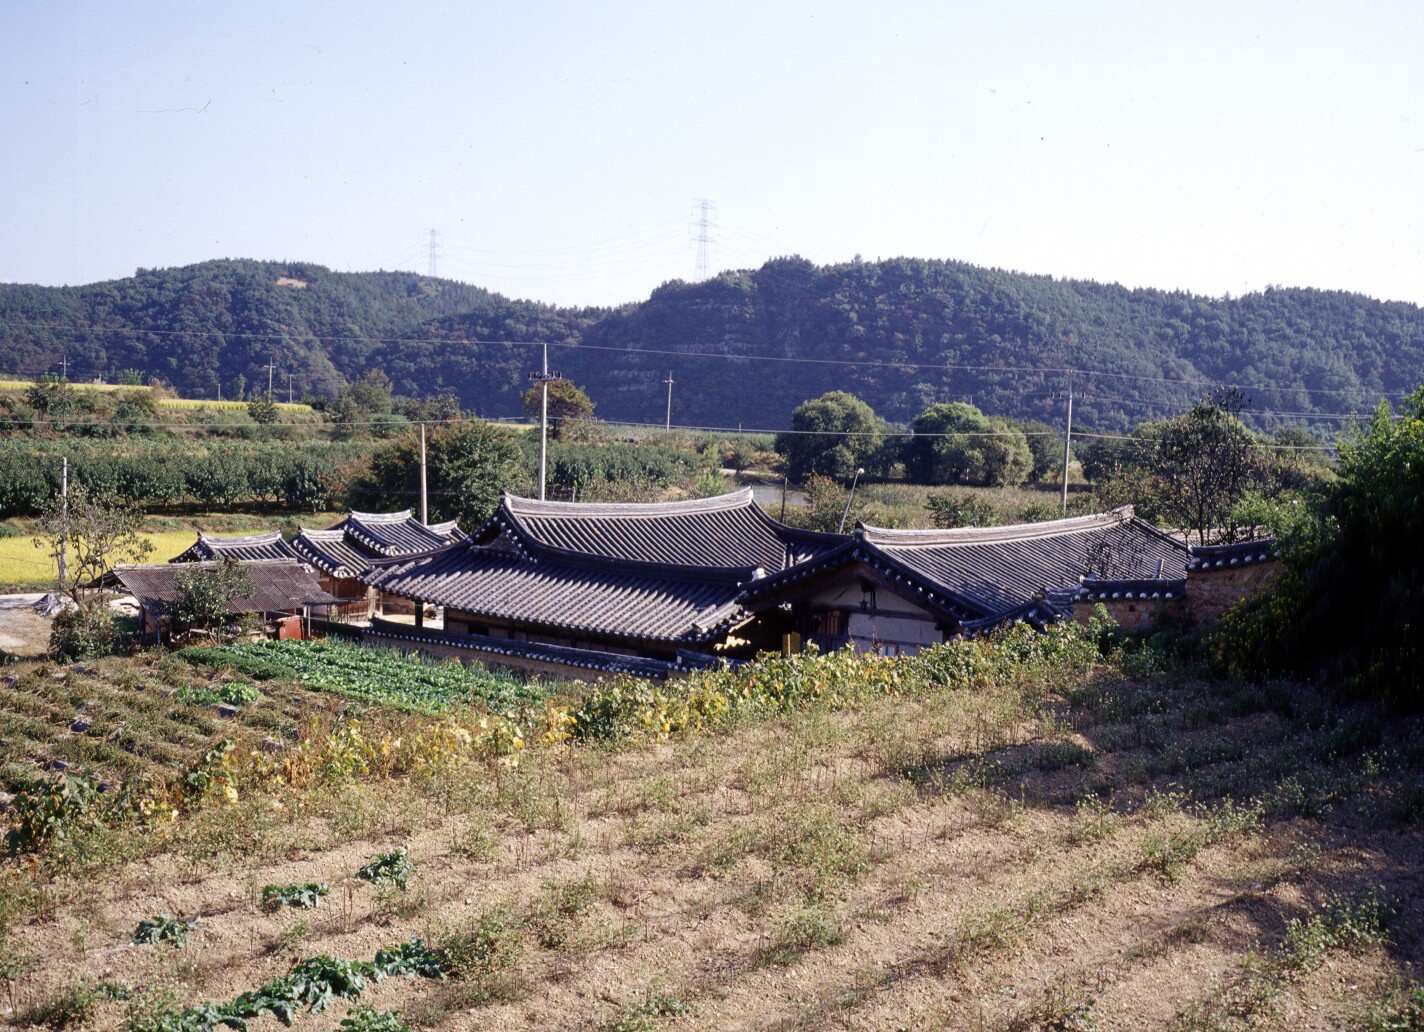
x,y
379,675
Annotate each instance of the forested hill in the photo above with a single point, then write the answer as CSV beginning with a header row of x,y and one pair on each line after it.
x,y
747,346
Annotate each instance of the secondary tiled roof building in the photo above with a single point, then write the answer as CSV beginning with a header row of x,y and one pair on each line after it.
x,y
634,579
279,586
210,547
345,553
900,590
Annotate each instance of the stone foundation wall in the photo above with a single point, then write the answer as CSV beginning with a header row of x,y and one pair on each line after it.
x,y
1211,592
1135,614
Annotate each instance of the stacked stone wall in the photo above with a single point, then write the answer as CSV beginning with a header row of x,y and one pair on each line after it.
x,y
1211,592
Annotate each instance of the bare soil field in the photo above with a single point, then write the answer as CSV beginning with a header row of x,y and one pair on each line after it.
x,y
1131,847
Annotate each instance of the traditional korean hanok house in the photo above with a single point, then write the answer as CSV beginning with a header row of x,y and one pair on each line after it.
x,y
898,591
283,590
344,553
583,584
210,547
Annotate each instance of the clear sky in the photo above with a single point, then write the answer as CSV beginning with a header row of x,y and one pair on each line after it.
x,y
557,147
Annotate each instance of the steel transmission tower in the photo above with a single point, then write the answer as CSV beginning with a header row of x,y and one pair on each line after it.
x,y
704,239
434,253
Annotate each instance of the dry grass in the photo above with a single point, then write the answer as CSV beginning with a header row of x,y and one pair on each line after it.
x,y
1124,853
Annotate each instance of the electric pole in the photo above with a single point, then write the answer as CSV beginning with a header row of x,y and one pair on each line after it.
x,y
424,509
289,386
1067,442
704,225
64,520
270,367
667,421
543,379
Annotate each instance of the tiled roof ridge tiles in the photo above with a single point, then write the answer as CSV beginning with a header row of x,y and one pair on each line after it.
x,y
517,505
883,536
377,517
263,537
1206,557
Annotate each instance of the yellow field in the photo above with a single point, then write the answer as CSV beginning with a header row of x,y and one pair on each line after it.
x,y
24,565
181,404
193,404
20,385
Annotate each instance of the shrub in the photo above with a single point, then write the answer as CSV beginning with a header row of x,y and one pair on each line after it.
x,y
85,634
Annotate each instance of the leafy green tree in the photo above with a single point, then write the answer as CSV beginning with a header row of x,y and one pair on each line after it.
x,y
469,464
957,444
1348,603
830,436
237,388
52,397
205,596
1203,464
131,377
570,410
1046,445
262,409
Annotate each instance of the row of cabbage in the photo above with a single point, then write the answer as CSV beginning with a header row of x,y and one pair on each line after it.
x,y
373,674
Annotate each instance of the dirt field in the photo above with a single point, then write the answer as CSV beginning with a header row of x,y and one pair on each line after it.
x,y
1133,849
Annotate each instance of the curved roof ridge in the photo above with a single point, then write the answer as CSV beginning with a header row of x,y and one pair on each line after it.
x,y
977,535
262,537
327,534
380,517
533,507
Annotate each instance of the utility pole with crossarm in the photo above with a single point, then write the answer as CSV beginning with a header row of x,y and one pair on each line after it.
x,y
543,379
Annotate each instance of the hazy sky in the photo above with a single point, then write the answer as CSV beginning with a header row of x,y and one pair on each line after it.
x,y
558,147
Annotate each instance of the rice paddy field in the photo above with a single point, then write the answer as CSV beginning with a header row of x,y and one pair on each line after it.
x,y
23,567
1110,843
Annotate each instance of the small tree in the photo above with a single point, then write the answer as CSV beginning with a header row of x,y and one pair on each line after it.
x,y
53,397
90,537
262,408
570,409
205,596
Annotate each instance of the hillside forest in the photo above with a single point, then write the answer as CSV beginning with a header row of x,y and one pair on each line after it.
x,y
744,348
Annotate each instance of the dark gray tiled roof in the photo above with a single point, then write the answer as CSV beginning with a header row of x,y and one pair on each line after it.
x,y
348,548
210,547
278,585
727,531
581,595
397,533
331,552
1213,557
991,572
994,569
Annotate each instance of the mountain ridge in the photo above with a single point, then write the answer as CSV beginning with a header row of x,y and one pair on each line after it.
x,y
746,346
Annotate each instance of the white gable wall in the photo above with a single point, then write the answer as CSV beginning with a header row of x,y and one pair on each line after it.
x,y
889,623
